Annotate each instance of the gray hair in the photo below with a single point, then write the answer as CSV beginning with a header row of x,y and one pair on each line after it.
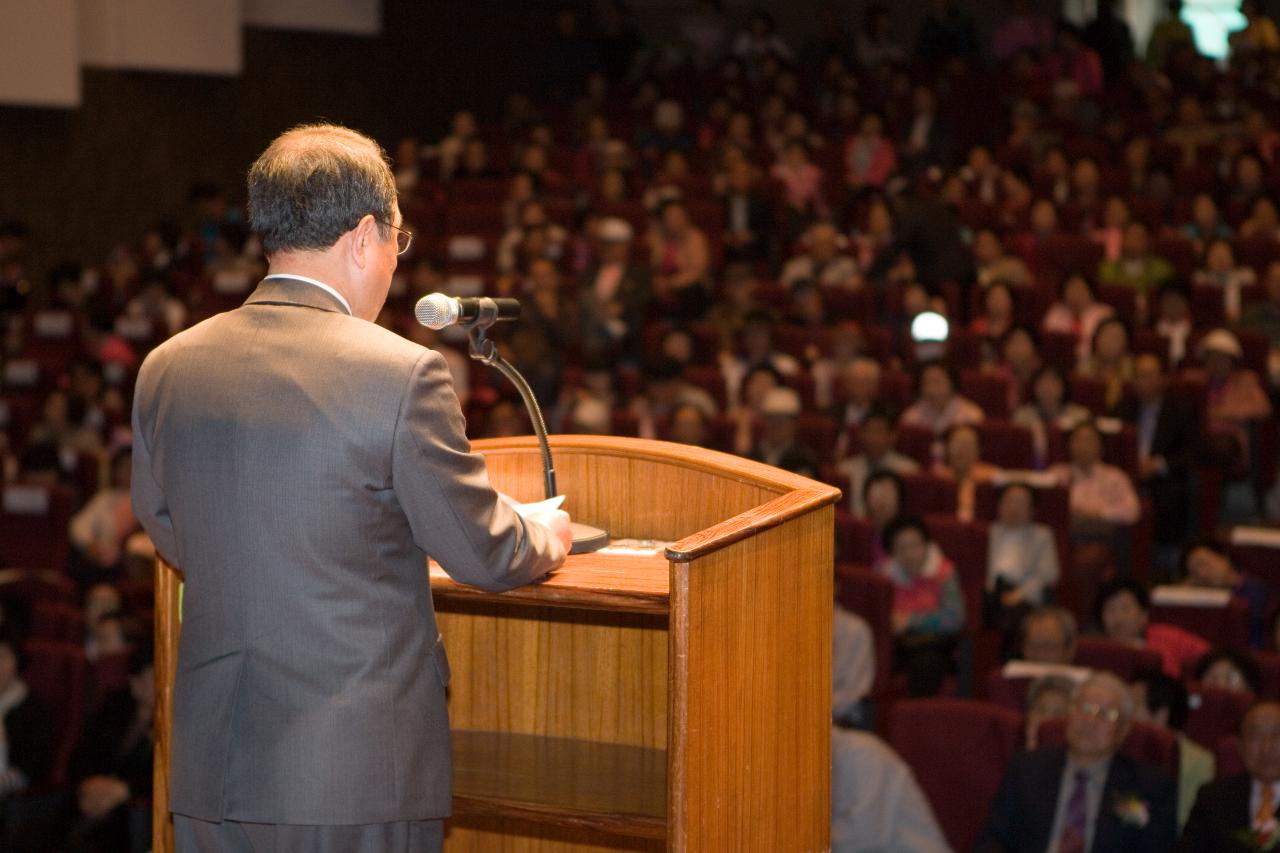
x,y
314,183
1065,618
1049,684
1113,683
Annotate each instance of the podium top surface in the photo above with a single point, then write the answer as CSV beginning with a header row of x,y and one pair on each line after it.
x,y
627,583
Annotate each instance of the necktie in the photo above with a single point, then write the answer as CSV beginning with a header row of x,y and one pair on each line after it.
x,y
1075,821
1263,823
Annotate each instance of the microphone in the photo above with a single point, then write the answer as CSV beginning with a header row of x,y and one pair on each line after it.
x,y
436,311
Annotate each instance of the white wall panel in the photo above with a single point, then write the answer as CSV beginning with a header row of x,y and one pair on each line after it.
x,y
162,35
356,17
39,61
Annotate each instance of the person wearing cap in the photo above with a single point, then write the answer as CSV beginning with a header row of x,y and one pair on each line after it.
x,y
777,444
823,261
1236,399
613,294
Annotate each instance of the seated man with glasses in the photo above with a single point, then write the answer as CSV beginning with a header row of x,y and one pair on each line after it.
x,y
1087,796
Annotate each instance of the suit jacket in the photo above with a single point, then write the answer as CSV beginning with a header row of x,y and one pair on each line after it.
x,y
1176,433
1220,818
1022,815
298,464
1176,438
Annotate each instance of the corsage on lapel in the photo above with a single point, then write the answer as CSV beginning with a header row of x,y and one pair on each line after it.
x,y
1132,810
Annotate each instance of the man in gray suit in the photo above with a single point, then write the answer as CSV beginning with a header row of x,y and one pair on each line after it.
x,y
297,461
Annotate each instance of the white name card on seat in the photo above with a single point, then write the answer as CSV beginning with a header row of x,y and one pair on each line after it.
x,y
1190,596
1265,537
133,328
231,281
53,324
22,373
1033,670
465,285
466,247
1108,425
26,500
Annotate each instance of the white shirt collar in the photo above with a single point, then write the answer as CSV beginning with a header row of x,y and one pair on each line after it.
x,y
320,284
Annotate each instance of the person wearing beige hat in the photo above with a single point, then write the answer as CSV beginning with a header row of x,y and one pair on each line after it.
x,y
777,444
613,294
1236,399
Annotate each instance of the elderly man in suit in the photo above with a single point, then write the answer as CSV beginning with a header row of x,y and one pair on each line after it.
x,y
1239,812
298,462
1088,796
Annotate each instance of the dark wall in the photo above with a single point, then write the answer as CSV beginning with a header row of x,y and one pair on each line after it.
x,y
86,179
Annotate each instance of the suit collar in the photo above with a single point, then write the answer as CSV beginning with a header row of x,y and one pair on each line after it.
x,y
295,291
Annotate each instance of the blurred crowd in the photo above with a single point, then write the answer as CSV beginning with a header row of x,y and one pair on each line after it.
x,y
1016,293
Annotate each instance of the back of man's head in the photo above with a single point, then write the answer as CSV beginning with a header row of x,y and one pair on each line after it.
x,y
1163,699
315,183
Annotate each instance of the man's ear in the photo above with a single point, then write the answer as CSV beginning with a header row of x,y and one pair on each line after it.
x,y
364,239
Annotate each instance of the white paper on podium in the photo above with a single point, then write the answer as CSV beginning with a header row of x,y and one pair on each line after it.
x,y
526,510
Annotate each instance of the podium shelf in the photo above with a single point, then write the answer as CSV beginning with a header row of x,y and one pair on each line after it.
x,y
628,583
560,782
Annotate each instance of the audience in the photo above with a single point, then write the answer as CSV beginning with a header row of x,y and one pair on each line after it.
x,y
26,751
1162,701
796,216
1048,698
928,608
1022,561
1238,812
1088,795
1124,612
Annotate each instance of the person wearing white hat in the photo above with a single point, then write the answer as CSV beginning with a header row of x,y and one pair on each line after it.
x,y
777,444
1236,399
613,294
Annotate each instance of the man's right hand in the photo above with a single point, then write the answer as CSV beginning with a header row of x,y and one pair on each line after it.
x,y
557,520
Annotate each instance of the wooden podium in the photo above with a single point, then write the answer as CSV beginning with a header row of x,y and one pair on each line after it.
x,y
641,700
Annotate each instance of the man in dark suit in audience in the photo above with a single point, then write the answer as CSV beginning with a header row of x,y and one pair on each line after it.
x,y
1088,796
748,216
1239,812
1166,428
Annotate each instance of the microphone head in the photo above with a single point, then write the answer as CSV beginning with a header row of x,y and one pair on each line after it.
x,y
435,311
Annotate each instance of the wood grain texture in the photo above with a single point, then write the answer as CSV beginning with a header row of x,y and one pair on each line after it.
x,y
168,581
746,524
593,675
476,834
601,581
561,781
749,754
638,489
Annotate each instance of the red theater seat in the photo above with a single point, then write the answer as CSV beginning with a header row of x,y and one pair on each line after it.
x,y
1215,713
58,675
33,526
57,621
958,750
870,595
1221,626
1114,656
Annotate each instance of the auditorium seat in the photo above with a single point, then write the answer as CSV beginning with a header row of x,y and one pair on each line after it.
x,y
1227,758
1059,350
58,675
1007,692
870,595
916,442
1057,255
1215,713
1269,673
927,494
108,674
965,543
991,393
1113,656
1221,626
1145,742
958,750
31,585
33,526
57,621
854,538
1007,445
